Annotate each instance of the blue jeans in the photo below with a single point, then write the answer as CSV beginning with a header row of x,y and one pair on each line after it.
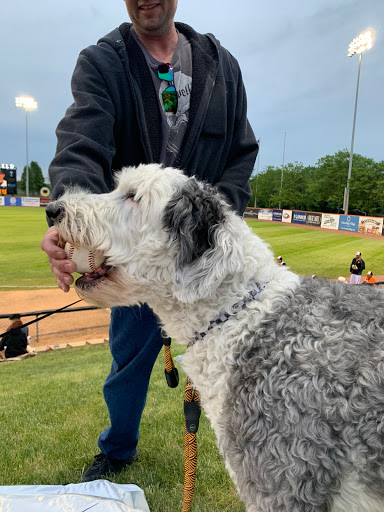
x,y
135,341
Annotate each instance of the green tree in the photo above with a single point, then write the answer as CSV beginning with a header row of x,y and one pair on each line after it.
x,y
36,179
330,180
268,183
377,189
366,182
321,187
293,194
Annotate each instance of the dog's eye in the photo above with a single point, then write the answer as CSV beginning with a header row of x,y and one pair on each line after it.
x,y
130,196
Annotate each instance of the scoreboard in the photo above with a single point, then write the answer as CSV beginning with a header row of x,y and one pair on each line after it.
x,y
8,179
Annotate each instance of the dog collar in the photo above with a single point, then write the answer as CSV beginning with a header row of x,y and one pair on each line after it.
x,y
253,294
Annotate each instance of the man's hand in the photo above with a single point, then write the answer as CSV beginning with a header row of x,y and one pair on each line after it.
x,y
60,265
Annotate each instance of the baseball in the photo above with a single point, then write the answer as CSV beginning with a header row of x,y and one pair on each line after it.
x,y
86,261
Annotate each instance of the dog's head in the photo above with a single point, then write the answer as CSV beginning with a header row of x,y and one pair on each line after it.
x,y
157,228
199,222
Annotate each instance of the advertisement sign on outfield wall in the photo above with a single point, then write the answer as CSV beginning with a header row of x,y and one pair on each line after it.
x,y
349,223
12,201
299,217
265,214
287,216
371,225
277,215
44,201
330,221
30,201
314,219
25,201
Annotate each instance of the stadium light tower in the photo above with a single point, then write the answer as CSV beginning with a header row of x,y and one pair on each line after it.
x,y
28,104
358,45
282,172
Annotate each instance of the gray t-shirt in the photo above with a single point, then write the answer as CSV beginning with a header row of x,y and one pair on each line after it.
x,y
173,126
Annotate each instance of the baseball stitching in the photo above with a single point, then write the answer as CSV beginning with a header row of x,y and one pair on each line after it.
x,y
91,261
91,257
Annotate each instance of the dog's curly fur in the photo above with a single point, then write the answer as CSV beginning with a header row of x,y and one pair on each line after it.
x,y
293,384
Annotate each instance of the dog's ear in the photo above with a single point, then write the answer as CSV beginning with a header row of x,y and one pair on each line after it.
x,y
209,250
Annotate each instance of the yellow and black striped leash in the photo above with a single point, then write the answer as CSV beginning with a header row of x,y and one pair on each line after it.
x,y
192,413
191,425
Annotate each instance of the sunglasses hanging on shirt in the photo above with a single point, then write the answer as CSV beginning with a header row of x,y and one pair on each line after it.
x,y
169,95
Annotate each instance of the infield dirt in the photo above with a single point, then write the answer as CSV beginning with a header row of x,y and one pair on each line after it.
x,y
93,324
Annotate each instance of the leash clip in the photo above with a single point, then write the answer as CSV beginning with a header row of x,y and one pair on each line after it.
x,y
192,412
172,377
171,373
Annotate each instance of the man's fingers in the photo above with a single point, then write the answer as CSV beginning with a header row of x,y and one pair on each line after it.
x,y
63,270
63,266
51,244
64,280
59,263
63,286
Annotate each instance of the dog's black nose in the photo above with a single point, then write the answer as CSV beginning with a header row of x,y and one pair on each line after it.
x,y
54,211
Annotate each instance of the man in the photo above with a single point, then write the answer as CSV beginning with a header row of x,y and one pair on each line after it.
x,y
356,268
280,261
369,278
131,107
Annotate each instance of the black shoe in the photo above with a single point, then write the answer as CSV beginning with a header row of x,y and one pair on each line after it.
x,y
103,466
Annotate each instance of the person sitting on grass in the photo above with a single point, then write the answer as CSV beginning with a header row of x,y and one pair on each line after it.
x,y
14,343
25,328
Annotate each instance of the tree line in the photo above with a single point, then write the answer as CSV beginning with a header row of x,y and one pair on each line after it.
x,y
321,187
312,188
36,180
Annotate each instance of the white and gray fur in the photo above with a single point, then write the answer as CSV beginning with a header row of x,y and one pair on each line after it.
x,y
293,385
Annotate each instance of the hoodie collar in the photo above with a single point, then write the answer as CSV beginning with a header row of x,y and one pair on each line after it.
x,y
205,58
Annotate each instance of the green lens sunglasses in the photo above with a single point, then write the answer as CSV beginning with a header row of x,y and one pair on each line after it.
x,y
169,95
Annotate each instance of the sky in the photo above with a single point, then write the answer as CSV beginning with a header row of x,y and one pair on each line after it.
x,y
293,57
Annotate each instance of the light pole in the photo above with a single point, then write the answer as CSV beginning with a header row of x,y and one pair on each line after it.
x,y
257,172
358,45
28,104
282,171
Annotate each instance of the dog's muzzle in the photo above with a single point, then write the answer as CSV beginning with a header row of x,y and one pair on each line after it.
x,y
55,212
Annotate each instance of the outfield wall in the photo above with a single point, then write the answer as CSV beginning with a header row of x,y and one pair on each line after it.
x,y
334,221
35,202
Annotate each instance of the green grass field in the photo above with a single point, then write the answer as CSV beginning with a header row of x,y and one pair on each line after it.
x,y
324,253
23,263
52,412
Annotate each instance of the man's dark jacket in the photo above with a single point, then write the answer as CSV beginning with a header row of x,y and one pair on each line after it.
x,y
359,264
110,124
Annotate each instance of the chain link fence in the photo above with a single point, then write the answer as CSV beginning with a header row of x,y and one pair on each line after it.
x,y
69,325
73,324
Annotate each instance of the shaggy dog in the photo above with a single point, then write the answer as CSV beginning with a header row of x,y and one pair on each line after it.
x,y
290,370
